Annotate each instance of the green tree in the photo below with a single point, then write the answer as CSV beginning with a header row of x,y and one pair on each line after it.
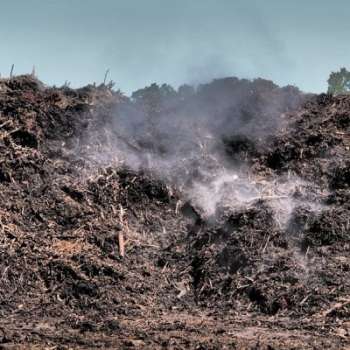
x,y
154,98
339,82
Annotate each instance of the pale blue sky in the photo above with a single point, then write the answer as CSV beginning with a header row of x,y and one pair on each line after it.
x,y
175,41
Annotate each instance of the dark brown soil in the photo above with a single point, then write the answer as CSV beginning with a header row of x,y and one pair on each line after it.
x,y
240,282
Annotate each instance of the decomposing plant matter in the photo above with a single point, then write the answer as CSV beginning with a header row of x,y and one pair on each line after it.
x,y
100,248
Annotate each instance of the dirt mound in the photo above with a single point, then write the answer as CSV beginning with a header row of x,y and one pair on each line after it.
x,y
253,277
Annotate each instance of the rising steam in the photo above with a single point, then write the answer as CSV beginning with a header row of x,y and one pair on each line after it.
x,y
203,141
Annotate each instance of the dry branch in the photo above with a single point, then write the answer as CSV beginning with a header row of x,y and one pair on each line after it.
x,y
121,243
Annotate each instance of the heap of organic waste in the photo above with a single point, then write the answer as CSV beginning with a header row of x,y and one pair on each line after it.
x,y
214,217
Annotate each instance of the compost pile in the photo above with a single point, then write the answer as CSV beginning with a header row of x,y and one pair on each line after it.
x,y
98,253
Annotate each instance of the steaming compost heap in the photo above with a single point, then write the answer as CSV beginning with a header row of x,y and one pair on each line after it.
x,y
265,266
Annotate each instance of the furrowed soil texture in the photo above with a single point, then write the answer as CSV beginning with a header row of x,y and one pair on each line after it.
x,y
96,254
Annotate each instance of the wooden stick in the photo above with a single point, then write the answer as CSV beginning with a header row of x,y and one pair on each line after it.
x,y
11,72
268,198
106,75
339,305
121,244
5,123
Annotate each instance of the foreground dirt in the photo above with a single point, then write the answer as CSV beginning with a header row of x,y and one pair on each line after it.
x,y
241,282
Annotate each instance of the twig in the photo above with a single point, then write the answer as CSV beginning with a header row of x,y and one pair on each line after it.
x,y
335,307
106,75
267,242
121,240
11,72
304,300
121,244
5,123
178,203
268,198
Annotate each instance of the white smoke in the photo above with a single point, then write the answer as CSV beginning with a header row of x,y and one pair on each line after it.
x,y
180,139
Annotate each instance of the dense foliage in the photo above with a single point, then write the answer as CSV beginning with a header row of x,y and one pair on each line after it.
x,y
339,82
